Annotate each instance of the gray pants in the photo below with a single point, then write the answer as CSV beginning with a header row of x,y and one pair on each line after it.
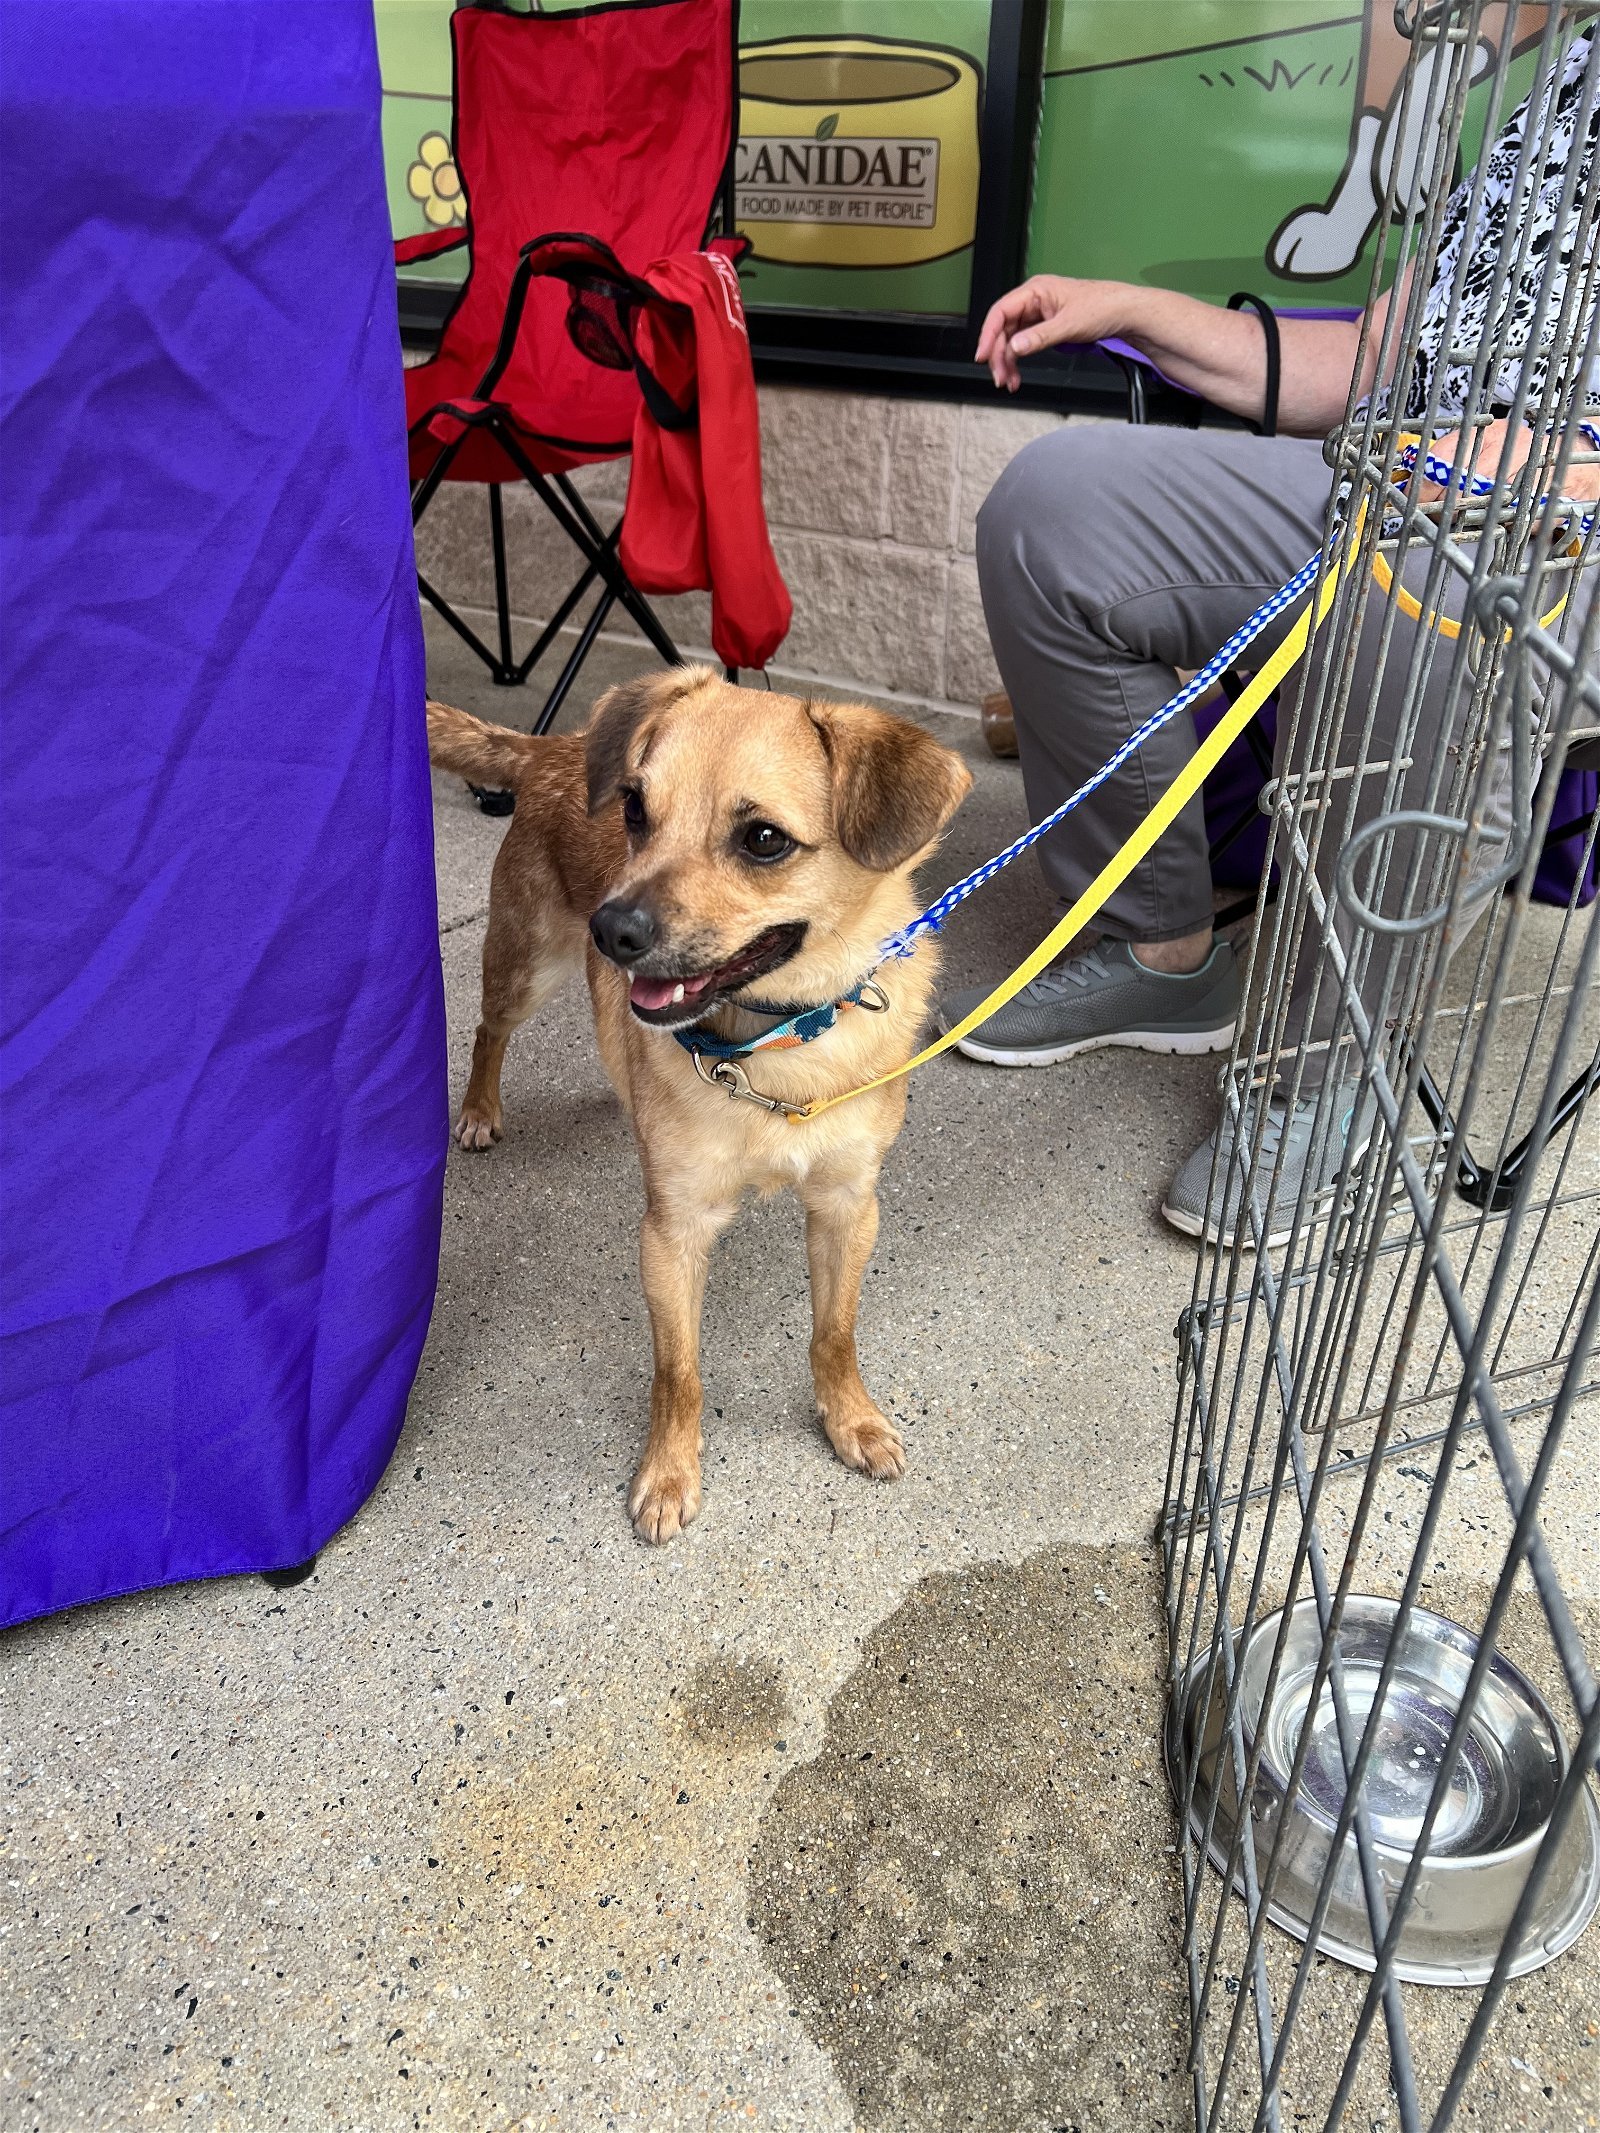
x,y
1108,556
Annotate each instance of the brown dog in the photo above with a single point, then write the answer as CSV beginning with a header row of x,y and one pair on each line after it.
x,y
719,858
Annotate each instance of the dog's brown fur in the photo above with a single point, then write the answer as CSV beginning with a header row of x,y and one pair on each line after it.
x,y
865,796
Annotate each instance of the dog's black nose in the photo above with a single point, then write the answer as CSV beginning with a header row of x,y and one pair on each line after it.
x,y
623,932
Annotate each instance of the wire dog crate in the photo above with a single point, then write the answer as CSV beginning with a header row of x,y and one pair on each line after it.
x,y
1382,1534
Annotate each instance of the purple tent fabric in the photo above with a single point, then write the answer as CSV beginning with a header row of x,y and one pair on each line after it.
x,y
222,1051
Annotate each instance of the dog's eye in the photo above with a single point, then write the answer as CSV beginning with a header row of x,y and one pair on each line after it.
x,y
766,842
633,812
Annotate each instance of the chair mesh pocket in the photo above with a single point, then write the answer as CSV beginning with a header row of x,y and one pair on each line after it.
x,y
599,323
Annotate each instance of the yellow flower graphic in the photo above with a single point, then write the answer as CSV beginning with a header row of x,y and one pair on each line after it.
x,y
434,181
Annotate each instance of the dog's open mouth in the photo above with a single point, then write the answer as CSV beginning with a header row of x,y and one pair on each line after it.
x,y
676,1002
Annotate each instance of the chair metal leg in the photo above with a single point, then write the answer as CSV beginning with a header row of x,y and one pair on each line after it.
x,y
422,494
580,652
1496,1189
1246,819
558,620
422,491
1579,826
578,522
650,622
627,592
295,1574
463,630
506,674
599,551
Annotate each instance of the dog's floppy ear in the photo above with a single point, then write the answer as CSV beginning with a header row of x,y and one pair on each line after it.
x,y
617,718
894,786
610,735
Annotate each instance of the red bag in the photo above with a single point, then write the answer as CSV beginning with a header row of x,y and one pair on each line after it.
x,y
695,515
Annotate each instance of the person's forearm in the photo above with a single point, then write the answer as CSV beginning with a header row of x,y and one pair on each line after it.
x,y
1221,355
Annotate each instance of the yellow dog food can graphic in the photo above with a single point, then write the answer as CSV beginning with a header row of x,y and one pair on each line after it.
x,y
856,151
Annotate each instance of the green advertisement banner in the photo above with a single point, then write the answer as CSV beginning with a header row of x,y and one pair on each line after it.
x,y
1202,145
1214,145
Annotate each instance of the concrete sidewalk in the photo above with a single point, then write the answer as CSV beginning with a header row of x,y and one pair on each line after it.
x,y
845,1810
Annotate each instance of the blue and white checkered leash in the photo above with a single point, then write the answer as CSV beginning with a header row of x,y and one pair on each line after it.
x,y
904,942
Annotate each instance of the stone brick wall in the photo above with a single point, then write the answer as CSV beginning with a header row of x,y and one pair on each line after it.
x,y
872,503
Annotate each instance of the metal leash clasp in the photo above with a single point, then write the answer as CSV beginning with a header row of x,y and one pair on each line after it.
x,y
727,1074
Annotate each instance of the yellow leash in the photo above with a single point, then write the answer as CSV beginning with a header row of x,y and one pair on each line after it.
x,y
1116,870
1410,606
1408,603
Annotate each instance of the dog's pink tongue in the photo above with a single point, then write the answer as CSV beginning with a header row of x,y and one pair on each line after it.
x,y
652,993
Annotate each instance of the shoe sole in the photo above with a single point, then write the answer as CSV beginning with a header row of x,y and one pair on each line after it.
x,y
1185,1044
1213,1239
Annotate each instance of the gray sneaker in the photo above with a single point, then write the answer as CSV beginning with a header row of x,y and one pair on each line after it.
x,y
1305,1138
1104,995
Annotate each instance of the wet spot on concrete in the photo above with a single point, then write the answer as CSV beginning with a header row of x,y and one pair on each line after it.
x,y
735,1703
968,1893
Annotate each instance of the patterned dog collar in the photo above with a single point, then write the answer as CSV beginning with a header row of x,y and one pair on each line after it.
x,y
795,1030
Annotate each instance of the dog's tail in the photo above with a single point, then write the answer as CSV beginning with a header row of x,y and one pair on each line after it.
x,y
482,754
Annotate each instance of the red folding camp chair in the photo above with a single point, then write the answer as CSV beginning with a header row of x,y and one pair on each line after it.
x,y
605,132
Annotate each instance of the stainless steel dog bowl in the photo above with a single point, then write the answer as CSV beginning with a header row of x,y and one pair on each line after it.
x,y
1503,1789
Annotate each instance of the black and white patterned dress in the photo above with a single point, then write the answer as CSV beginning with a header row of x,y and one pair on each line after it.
x,y
1510,203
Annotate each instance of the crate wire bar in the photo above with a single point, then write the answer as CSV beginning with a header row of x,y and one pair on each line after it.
x,y
1432,1316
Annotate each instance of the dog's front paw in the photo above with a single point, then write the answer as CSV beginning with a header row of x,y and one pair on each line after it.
x,y
477,1129
662,1501
865,1438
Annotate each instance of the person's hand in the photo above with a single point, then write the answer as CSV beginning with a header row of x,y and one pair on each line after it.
x,y
1045,310
1582,483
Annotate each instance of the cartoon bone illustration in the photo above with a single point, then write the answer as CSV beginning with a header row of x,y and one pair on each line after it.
x,y
1315,243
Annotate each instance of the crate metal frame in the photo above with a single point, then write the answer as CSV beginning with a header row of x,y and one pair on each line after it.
x,y
1411,1304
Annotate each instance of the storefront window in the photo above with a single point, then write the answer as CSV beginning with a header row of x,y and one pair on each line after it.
x,y
858,160
902,161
